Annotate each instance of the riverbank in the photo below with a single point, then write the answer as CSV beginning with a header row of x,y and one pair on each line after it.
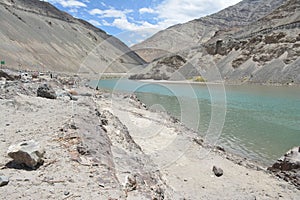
x,y
109,146
215,83
261,122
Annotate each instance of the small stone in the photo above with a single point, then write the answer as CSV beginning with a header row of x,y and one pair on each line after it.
x,y
82,149
101,182
73,98
29,153
218,171
258,168
66,193
158,192
219,148
3,181
46,91
199,141
130,182
73,126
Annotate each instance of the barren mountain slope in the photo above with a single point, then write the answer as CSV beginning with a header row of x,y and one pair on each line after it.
x,y
198,31
36,35
266,51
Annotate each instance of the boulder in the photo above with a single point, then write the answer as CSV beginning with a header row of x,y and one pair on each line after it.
x,y
29,153
46,91
288,166
3,180
9,75
288,162
217,171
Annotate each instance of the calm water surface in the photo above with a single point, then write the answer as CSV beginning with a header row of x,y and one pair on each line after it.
x,y
260,122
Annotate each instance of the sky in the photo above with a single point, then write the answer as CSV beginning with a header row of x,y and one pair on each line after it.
x,y
132,21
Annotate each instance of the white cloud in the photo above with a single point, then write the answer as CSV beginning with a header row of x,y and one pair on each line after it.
x,y
103,4
110,13
167,13
121,20
94,22
73,10
70,3
172,12
146,10
105,23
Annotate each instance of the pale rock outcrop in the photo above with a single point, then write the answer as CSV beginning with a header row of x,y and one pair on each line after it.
x,y
29,153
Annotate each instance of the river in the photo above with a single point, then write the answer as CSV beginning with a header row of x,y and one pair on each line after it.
x,y
257,122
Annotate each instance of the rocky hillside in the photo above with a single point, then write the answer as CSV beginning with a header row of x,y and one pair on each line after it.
x,y
35,35
265,51
183,36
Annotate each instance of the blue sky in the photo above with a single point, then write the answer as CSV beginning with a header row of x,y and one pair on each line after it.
x,y
135,20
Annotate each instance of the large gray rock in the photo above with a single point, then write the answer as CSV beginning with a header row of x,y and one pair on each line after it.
x,y
46,91
29,153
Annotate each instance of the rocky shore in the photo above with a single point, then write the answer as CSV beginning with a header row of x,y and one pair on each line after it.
x,y
99,145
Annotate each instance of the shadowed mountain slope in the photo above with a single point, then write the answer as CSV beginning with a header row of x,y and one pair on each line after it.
x,y
35,35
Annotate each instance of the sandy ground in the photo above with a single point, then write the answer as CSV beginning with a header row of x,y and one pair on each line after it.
x,y
116,137
187,166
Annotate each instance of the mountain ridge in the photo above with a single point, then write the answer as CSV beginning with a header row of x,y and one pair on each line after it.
x,y
265,52
202,29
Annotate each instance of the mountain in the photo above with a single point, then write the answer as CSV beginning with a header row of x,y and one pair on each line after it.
x,y
37,36
265,51
199,31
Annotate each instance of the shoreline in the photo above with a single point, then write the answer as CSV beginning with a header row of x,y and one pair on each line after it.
x,y
264,158
215,83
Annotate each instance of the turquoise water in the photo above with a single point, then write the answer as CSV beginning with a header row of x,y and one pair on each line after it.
x,y
258,122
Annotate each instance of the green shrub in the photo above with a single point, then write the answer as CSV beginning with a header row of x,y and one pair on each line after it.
x,y
199,79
